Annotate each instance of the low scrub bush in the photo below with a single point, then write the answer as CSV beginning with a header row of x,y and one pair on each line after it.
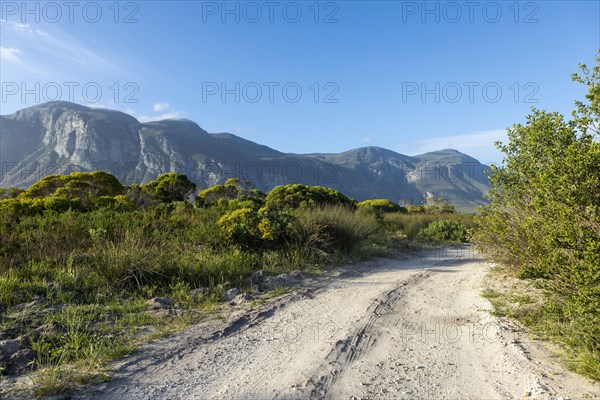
x,y
379,207
445,231
410,225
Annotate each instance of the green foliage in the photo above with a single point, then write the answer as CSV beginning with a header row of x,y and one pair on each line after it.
x,y
544,217
380,207
254,229
215,193
171,187
445,230
301,196
83,191
274,226
140,195
87,191
76,185
434,206
240,227
10,193
11,210
232,195
410,225
120,202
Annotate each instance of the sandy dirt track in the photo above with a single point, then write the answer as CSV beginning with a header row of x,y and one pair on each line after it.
x,y
386,329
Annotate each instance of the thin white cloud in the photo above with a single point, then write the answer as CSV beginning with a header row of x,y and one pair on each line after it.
x,y
170,115
366,139
15,58
10,54
45,48
159,107
68,48
15,26
167,113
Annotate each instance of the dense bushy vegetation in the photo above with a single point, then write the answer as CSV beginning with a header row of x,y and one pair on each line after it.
x,y
83,253
171,187
302,196
423,226
544,219
379,207
434,206
234,193
445,230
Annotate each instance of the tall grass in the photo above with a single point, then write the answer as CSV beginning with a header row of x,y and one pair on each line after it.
x,y
334,228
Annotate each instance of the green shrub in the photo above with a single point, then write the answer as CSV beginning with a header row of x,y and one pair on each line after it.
x,y
380,207
255,229
81,191
234,194
434,206
171,187
121,203
10,193
302,196
76,185
240,227
12,210
383,205
274,226
445,230
409,225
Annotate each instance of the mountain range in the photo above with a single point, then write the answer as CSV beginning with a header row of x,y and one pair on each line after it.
x,y
62,137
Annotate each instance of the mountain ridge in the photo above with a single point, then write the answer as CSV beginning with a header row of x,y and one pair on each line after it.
x,y
61,137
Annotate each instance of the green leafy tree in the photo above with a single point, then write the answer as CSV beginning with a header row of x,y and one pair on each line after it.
x,y
78,190
381,205
434,206
140,195
300,196
544,214
76,184
171,187
234,194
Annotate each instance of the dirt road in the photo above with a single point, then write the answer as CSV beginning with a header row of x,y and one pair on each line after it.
x,y
386,329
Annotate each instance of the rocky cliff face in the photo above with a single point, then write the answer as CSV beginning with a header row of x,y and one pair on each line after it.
x,y
60,137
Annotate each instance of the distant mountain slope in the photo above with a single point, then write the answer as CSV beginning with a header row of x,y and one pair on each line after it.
x,y
61,137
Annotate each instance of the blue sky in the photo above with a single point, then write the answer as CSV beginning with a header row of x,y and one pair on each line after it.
x,y
307,76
